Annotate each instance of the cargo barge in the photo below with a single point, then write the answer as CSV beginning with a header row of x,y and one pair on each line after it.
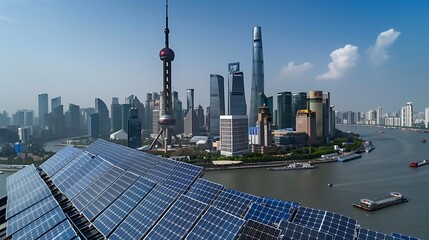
x,y
419,164
349,157
371,205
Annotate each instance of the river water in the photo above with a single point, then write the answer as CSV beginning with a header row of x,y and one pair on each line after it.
x,y
376,174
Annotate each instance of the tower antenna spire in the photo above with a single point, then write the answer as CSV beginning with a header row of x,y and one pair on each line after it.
x,y
166,31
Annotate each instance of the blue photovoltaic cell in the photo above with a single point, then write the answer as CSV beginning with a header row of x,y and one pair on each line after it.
x,y
113,215
30,214
185,175
96,187
80,174
41,225
266,215
339,226
280,205
109,195
145,215
27,200
233,201
403,237
176,223
292,231
204,190
253,230
144,163
23,187
88,179
365,234
70,169
216,224
162,171
21,175
59,160
62,231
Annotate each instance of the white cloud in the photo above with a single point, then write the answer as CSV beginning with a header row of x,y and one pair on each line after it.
x,y
292,70
342,60
385,39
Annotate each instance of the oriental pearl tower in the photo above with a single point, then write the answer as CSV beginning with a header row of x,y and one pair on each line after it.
x,y
166,119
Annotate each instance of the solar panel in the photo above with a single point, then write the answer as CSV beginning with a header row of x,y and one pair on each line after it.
x,y
144,163
253,230
96,187
62,231
162,171
71,168
292,231
23,187
41,225
21,175
339,226
122,206
145,215
233,201
366,234
30,214
403,237
204,190
88,178
266,214
27,200
216,224
179,219
59,160
109,195
283,206
185,175
113,153
80,174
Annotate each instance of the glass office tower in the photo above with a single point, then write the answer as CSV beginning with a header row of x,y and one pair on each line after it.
x,y
257,76
43,108
217,102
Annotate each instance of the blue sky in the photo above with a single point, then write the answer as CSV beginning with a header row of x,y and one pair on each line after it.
x,y
366,53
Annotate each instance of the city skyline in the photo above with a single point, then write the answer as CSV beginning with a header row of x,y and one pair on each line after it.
x,y
67,50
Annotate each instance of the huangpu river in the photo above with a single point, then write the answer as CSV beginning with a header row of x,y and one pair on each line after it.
x,y
376,174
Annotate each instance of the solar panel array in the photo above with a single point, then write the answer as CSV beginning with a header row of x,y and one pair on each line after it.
x,y
127,194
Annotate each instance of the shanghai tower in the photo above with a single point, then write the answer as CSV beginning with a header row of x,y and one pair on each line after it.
x,y
257,90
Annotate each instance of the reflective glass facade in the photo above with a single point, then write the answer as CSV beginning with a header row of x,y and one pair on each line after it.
x,y
217,102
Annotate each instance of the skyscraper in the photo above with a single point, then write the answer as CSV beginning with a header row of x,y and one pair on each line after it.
x,y
116,114
103,115
299,102
43,108
217,102
236,98
284,110
407,115
316,105
257,76
427,117
55,102
189,99
234,138
125,111
74,118
134,129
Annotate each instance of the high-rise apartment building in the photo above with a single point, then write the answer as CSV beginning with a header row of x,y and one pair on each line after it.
x,y
265,136
379,119
43,108
284,110
427,117
407,115
125,111
74,118
234,138
217,102
257,89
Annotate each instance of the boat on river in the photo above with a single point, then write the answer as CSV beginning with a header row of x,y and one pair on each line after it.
x,y
423,140
292,166
419,164
389,200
